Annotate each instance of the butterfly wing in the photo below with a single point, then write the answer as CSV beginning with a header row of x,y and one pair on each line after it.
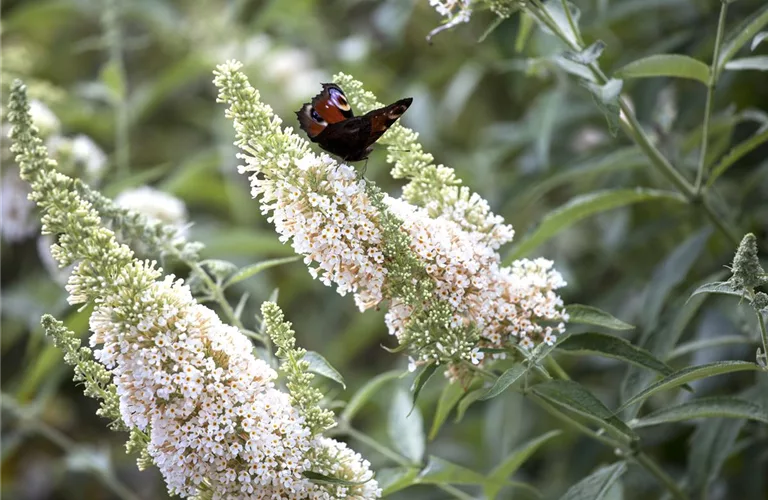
x,y
383,118
328,107
328,120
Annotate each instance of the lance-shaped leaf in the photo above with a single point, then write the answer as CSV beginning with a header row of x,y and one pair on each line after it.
x,y
740,35
722,287
421,379
366,392
596,485
451,395
589,315
318,364
690,374
614,347
406,427
584,206
441,471
572,396
506,379
717,406
514,460
672,65
396,478
254,269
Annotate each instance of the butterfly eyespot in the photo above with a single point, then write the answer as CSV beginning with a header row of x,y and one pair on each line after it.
x,y
315,115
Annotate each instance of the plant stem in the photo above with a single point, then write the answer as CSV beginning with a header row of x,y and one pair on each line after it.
x,y
555,366
632,127
648,464
566,419
714,73
396,457
763,333
571,23
218,295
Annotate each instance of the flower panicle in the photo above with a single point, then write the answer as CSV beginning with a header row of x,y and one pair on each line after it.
x,y
436,265
434,187
213,420
97,381
303,396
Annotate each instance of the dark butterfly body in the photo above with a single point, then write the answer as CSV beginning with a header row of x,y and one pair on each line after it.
x,y
329,121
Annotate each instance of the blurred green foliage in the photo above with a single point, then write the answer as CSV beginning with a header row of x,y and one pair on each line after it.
x,y
504,113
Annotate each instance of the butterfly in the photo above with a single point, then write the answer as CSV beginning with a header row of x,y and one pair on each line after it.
x,y
329,121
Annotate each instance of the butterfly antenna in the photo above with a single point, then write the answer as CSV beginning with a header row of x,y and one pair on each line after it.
x,y
365,167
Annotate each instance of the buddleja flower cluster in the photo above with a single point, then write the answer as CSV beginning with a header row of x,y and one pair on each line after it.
x,y
432,254
212,419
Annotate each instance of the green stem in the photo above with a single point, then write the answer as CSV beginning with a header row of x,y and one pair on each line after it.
x,y
571,23
632,127
651,466
714,73
555,366
719,222
566,419
218,295
763,333
396,457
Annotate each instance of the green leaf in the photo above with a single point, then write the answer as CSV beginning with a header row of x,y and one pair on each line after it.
x,y
589,315
582,207
422,377
451,395
396,478
560,17
621,159
318,364
506,379
254,269
722,287
758,40
316,477
572,396
596,485
717,406
759,63
697,345
741,34
614,347
467,401
672,65
113,78
690,374
710,445
607,99
738,152
588,55
406,427
366,392
233,241
441,471
492,27
671,272
524,32
660,342
514,460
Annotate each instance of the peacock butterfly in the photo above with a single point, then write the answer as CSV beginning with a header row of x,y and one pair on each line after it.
x,y
329,121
